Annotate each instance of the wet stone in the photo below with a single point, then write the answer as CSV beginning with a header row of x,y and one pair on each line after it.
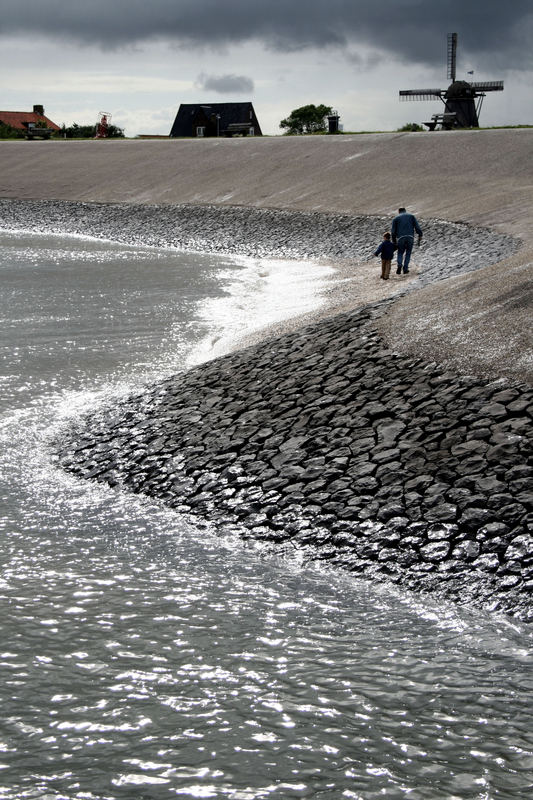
x,y
444,531
473,518
520,547
387,554
502,453
441,512
494,410
380,456
467,549
436,551
510,582
390,511
512,513
519,406
396,524
489,485
488,562
494,529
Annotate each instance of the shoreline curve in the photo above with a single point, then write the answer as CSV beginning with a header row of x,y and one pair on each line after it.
x,y
384,438
387,465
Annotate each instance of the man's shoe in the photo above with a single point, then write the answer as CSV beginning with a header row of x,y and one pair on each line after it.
x,y
405,271
399,271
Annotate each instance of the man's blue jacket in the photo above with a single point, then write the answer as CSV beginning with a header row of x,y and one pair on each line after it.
x,y
405,224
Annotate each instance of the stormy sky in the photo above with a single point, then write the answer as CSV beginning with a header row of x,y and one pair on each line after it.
x,y
139,59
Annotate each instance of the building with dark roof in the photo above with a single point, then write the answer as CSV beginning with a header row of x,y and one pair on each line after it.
x,y
215,119
28,122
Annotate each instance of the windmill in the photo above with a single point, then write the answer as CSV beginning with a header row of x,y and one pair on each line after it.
x,y
462,99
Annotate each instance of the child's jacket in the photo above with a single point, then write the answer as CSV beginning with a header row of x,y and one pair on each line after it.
x,y
386,250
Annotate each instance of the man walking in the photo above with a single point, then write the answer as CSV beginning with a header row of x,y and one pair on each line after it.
x,y
403,230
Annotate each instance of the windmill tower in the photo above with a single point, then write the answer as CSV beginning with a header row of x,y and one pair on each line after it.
x,y
462,99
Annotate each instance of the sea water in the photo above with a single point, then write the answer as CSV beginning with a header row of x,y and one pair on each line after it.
x,y
144,656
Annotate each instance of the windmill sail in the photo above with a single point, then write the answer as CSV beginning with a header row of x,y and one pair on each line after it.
x,y
452,56
487,86
420,94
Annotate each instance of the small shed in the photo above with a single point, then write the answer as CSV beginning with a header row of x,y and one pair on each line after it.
x,y
30,123
215,119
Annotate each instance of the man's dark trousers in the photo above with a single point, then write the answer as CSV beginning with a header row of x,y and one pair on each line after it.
x,y
405,248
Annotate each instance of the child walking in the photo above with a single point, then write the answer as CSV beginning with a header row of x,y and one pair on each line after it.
x,y
386,251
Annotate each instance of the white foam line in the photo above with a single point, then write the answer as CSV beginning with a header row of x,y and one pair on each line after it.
x,y
263,293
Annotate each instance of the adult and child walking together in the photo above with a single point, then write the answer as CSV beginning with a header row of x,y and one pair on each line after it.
x,y
401,240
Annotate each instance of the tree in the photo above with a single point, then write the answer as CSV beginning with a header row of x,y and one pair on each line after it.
x,y
114,132
76,131
7,132
306,119
411,126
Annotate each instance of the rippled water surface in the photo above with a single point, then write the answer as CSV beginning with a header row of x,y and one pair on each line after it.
x,y
142,656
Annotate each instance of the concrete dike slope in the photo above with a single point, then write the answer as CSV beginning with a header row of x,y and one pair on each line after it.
x,y
336,438
480,177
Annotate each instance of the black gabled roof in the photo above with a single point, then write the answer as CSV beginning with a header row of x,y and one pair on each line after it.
x,y
230,114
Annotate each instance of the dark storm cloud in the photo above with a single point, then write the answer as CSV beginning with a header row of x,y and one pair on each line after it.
x,y
225,84
490,31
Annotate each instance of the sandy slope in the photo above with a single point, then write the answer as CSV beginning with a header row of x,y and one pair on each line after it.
x,y
481,177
